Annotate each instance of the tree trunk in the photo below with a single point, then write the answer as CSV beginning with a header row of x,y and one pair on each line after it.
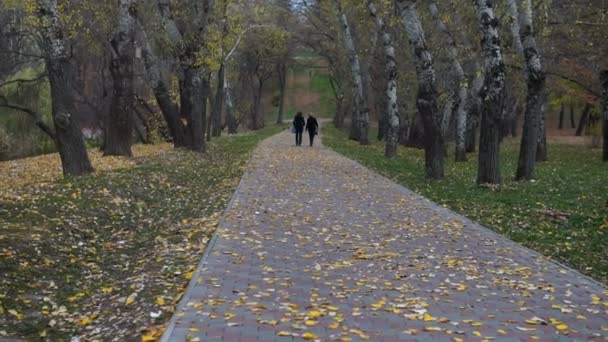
x,y
515,26
119,128
459,93
392,107
584,120
360,114
282,73
70,143
167,105
474,104
427,89
492,95
561,117
572,120
604,83
192,103
535,80
218,105
542,153
257,117
230,117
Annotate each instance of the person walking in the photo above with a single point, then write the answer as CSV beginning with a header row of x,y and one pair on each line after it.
x,y
312,126
298,125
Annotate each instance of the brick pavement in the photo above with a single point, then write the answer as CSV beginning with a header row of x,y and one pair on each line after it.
x,y
316,247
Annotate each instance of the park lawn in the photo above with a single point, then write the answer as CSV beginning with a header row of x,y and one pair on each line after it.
x,y
109,256
563,214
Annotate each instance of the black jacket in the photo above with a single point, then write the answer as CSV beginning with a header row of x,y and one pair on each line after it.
x,y
312,125
299,123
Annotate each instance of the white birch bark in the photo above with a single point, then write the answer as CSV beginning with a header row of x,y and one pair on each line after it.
x,y
514,17
492,94
392,110
460,92
427,89
535,80
360,118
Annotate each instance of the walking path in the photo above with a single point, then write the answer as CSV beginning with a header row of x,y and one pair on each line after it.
x,y
315,246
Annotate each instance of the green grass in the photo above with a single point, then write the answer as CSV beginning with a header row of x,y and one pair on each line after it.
x,y
72,252
563,214
321,85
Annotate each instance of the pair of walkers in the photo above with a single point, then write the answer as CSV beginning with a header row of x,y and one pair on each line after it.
x,y
311,125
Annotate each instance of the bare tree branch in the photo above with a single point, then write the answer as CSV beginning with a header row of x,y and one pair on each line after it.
x,y
35,115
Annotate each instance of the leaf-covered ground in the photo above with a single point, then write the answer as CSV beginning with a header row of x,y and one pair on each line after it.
x,y
317,247
563,214
108,256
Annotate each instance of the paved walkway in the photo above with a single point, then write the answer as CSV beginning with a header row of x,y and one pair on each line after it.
x,y
315,246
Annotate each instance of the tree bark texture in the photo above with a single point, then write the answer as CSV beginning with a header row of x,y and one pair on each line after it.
x,y
535,81
70,143
360,114
391,121
427,89
218,105
491,94
460,91
119,127
282,75
582,124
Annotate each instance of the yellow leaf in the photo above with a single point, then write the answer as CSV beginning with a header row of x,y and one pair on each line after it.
x,y
85,321
107,290
428,318
432,329
310,323
332,308
131,299
309,336
334,325
188,275
477,333
229,315
17,315
411,331
561,327
314,314
502,332
160,300
284,333
458,339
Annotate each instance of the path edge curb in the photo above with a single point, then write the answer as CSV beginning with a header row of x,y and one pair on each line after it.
x,y
199,267
474,223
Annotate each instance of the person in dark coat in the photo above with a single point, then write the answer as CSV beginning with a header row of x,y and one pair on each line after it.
x,y
312,126
298,125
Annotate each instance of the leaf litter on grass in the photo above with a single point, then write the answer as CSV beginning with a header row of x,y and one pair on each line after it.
x,y
107,257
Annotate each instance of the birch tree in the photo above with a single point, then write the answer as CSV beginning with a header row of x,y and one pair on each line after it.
x,y
460,92
360,115
427,89
119,126
60,72
492,94
392,108
535,81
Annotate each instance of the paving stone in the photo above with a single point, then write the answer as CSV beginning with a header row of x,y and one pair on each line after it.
x,y
313,242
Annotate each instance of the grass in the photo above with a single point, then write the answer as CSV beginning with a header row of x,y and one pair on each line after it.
x,y
563,214
321,85
104,256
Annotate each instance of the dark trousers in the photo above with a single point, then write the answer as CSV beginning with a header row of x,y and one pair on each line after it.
x,y
299,137
311,135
